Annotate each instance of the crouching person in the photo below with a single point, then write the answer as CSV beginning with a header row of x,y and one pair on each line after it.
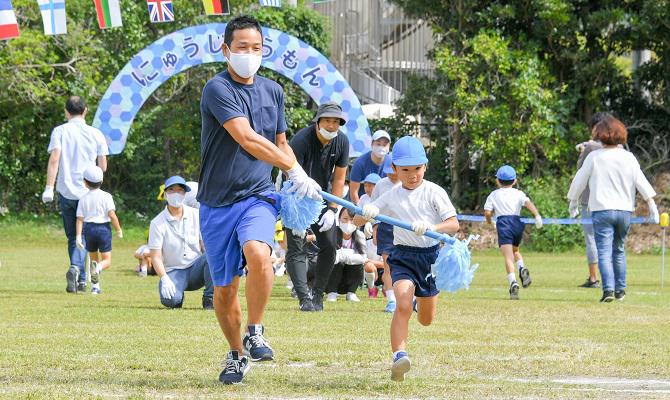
x,y
176,249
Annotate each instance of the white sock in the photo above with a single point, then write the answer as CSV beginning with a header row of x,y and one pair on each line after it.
x,y
519,264
95,286
370,279
511,277
390,295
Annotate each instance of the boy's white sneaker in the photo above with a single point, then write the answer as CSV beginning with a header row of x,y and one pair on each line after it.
x,y
352,297
332,296
401,366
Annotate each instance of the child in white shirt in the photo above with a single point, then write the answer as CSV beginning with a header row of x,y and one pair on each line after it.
x,y
94,212
429,207
506,203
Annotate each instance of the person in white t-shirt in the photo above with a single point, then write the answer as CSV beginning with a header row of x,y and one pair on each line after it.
x,y
369,183
506,203
429,208
74,146
95,211
613,176
176,249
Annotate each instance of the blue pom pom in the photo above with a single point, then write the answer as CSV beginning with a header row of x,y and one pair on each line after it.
x,y
298,213
452,270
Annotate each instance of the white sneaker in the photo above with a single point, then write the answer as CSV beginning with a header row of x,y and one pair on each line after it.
x,y
280,271
332,296
289,284
352,297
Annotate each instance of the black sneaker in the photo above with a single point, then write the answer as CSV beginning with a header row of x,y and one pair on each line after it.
x,y
255,345
619,294
234,368
514,291
590,284
608,296
81,287
306,305
524,275
72,276
317,301
207,303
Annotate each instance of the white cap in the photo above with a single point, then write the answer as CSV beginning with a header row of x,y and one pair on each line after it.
x,y
93,174
381,134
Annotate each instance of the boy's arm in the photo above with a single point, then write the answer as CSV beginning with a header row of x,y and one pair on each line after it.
x,y
538,218
115,223
79,227
488,214
449,225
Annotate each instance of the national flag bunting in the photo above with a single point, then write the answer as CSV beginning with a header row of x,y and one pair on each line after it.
x,y
270,3
53,16
8,26
216,7
109,13
160,10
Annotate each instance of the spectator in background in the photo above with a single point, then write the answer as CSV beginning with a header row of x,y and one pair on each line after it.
x,y
347,273
368,163
74,146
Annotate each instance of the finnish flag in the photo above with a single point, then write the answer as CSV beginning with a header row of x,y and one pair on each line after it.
x,y
53,16
270,3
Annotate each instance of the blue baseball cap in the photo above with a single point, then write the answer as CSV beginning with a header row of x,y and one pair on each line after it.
x,y
372,178
387,166
506,173
176,180
408,151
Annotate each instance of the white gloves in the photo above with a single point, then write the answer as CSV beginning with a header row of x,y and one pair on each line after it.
x,y
303,185
327,220
653,211
278,181
48,194
367,230
298,233
573,209
119,234
79,242
420,227
538,221
168,289
349,257
370,211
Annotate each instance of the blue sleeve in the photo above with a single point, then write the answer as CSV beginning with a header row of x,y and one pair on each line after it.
x,y
220,101
357,170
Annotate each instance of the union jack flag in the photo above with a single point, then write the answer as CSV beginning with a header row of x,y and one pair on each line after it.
x,y
160,10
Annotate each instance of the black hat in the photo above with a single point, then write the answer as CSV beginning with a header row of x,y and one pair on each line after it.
x,y
330,109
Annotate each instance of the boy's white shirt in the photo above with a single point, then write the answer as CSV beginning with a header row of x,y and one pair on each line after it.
x,y
429,202
612,175
363,200
95,206
505,201
383,186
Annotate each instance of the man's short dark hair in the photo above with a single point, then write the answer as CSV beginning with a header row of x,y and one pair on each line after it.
x,y
597,117
75,105
239,23
506,182
92,185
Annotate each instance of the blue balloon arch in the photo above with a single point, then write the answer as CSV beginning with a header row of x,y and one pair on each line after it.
x,y
192,46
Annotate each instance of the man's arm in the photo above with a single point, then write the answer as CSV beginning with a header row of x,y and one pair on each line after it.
x,y
258,146
338,183
102,163
52,167
157,261
353,191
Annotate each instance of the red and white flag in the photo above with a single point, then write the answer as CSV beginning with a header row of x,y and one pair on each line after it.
x,y
9,28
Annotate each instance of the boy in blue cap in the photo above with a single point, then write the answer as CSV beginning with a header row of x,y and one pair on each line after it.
x,y
506,202
428,206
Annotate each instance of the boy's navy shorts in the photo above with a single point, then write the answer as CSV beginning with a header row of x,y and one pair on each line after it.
x,y
413,263
510,230
384,238
98,237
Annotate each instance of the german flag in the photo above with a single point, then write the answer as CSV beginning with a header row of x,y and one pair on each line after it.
x,y
216,7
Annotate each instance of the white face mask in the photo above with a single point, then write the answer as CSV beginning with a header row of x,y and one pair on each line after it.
x,y
379,151
347,228
174,199
244,64
328,135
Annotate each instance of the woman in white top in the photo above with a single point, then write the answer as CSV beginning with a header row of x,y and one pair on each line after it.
x,y
612,175
350,260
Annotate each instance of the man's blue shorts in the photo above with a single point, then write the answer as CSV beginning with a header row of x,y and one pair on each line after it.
x,y
413,264
226,229
510,230
98,237
384,238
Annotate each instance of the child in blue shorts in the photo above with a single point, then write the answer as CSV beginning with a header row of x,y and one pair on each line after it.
x,y
94,212
428,206
384,232
506,202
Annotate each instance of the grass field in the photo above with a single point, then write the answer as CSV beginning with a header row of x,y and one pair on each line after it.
x,y
556,342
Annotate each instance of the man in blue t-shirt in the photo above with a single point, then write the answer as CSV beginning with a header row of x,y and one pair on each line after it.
x,y
243,137
371,162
